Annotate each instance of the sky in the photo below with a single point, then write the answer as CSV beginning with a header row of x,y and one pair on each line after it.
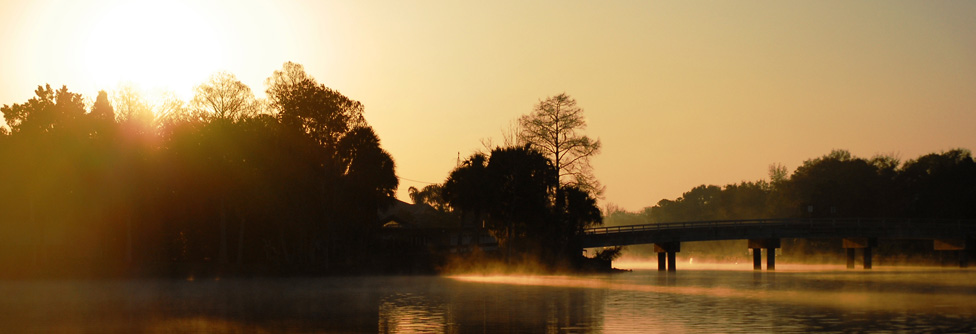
x,y
681,93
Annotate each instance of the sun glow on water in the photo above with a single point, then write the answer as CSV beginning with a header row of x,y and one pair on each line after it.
x,y
859,300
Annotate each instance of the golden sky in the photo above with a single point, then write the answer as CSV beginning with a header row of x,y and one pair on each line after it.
x,y
681,93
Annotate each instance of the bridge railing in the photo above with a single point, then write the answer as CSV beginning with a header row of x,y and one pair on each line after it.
x,y
887,223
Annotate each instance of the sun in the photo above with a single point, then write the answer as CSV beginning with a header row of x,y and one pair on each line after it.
x,y
157,45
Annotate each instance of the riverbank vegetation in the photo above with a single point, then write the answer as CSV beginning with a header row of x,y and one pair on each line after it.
x,y
298,183
535,196
127,185
935,186
228,184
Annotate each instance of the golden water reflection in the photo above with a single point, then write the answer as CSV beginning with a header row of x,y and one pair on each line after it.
x,y
743,301
946,300
410,313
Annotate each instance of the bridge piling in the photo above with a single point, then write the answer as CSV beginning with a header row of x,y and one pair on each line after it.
x,y
667,250
865,244
867,257
957,246
757,245
757,259
672,261
662,261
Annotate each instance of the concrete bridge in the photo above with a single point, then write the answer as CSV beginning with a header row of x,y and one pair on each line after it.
x,y
856,233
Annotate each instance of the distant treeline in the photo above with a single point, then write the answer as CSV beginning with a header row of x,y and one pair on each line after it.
x,y
840,185
837,185
159,187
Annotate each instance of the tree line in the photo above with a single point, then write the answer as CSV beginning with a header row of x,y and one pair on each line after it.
x,y
935,186
132,185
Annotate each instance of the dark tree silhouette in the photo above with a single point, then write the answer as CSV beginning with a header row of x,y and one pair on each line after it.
x,y
116,190
431,195
515,193
940,185
838,185
365,164
48,111
300,101
102,110
553,129
223,97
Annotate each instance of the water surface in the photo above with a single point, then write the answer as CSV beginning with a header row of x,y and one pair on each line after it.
x,y
696,299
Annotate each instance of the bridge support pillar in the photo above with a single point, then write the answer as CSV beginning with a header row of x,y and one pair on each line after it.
x,y
958,246
667,250
672,261
866,244
867,258
662,261
757,246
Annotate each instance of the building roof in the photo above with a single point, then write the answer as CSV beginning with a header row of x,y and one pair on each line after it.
x,y
417,216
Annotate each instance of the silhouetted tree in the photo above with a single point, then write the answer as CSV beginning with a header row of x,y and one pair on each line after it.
x,y
102,110
365,164
575,211
48,111
940,185
178,192
368,182
300,101
837,185
509,191
431,195
131,107
553,129
465,189
223,97
515,193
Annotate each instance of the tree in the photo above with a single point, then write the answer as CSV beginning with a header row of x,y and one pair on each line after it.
x,y
300,101
576,210
170,111
940,185
131,106
553,129
430,195
102,110
514,192
365,164
465,189
48,111
508,191
223,97
838,185
355,176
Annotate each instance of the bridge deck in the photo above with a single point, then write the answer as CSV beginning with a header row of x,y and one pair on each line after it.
x,y
778,228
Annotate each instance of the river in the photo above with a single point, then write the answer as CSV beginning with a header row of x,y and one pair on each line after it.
x,y
712,299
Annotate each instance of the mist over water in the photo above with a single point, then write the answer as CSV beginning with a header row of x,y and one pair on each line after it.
x,y
696,298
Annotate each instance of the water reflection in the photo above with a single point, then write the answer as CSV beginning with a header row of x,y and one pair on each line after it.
x,y
405,312
454,306
642,301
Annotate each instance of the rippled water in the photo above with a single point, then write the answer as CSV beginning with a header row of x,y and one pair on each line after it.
x,y
696,299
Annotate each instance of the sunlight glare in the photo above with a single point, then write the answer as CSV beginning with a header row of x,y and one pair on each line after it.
x,y
156,44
